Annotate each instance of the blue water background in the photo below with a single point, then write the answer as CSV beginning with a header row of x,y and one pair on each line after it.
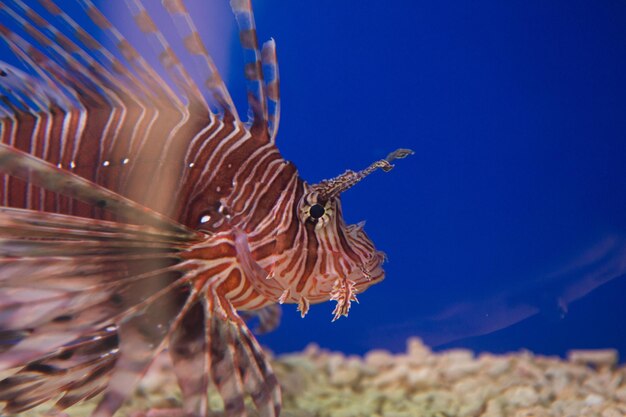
x,y
507,228
514,206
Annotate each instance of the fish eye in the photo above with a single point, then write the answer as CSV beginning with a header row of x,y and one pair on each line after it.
x,y
313,210
316,211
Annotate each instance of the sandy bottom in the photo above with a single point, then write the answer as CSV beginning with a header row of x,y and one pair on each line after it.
x,y
420,383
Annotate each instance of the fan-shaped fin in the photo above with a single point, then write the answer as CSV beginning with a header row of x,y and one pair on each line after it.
x,y
75,299
75,72
75,369
258,378
229,356
95,59
233,345
168,58
29,93
68,48
86,304
147,76
141,339
52,75
195,47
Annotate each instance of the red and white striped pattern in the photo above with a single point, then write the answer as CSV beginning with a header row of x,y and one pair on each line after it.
x,y
138,217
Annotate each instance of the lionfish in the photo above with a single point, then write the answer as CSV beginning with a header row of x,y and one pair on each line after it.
x,y
141,214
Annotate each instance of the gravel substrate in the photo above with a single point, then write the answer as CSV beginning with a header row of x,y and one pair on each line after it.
x,y
420,383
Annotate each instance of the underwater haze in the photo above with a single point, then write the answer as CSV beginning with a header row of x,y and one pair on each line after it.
x,y
507,228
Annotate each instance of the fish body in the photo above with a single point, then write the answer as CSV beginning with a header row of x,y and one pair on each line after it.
x,y
138,216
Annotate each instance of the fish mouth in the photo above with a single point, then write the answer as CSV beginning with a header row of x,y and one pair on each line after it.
x,y
361,277
371,273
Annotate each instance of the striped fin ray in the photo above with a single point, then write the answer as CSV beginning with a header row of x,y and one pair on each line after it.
x,y
232,346
257,101
106,124
73,313
256,372
221,352
49,72
225,345
141,339
65,47
165,140
33,95
29,129
46,269
74,370
75,70
76,315
19,94
103,357
195,46
116,91
47,134
272,86
23,221
41,173
168,58
132,56
191,365
41,90
101,61
89,304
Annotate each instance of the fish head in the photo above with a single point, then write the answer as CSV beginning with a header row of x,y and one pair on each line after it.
x,y
340,260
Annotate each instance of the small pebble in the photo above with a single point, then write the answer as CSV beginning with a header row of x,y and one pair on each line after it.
x,y
596,358
611,412
620,394
345,376
417,350
521,397
379,358
594,399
